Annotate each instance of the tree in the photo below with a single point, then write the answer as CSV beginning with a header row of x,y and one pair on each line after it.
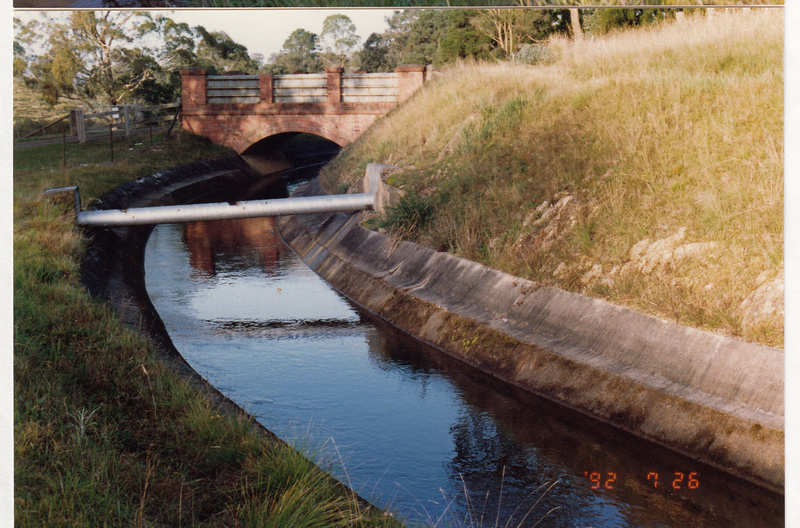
x,y
20,63
511,28
373,56
218,53
180,43
299,54
338,39
459,39
118,57
81,55
413,36
575,22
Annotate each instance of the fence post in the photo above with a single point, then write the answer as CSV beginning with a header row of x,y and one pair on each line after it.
x,y
126,117
77,124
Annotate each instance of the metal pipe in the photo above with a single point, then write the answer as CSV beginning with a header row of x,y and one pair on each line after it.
x,y
220,211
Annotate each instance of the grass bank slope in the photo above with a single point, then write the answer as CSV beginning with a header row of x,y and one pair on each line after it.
x,y
644,167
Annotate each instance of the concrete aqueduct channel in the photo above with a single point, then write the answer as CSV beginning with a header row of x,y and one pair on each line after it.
x,y
713,398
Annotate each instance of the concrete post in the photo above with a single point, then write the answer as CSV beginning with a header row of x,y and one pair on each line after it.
x,y
410,78
265,88
334,85
193,87
372,183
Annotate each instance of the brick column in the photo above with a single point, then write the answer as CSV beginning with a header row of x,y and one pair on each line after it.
x,y
265,87
193,87
410,78
334,85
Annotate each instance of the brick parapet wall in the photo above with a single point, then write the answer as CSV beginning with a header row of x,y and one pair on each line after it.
x,y
239,126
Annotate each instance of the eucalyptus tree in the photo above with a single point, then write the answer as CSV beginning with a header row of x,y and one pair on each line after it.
x,y
299,53
510,29
218,53
89,55
373,54
338,40
115,57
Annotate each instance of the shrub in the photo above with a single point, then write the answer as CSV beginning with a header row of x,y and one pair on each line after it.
x,y
535,54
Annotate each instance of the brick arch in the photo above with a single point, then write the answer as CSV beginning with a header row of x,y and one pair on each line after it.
x,y
341,129
241,110
241,131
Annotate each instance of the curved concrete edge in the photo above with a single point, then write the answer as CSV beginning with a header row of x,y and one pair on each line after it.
x,y
112,267
713,398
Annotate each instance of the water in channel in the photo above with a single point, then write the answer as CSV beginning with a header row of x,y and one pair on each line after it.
x,y
406,427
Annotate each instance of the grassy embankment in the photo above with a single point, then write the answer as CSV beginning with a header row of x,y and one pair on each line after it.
x,y
104,434
644,167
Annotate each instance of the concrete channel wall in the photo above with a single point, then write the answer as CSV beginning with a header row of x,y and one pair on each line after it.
x,y
713,398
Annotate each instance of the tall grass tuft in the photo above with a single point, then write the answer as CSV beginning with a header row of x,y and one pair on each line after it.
x,y
409,215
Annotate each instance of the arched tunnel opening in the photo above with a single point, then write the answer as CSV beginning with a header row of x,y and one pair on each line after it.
x,y
286,158
288,150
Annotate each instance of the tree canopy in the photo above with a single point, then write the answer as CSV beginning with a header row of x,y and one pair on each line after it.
x,y
338,40
299,54
117,57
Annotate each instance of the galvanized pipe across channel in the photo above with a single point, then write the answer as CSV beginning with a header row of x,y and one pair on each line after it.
x,y
176,214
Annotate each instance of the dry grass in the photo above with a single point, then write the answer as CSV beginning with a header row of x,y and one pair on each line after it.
x,y
31,113
663,147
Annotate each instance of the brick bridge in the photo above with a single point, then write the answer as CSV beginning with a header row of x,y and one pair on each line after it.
x,y
238,111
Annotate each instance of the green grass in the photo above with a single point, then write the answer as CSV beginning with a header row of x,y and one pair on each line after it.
x,y
409,215
644,133
104,434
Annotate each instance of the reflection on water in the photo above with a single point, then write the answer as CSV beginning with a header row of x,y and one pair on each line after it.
x,y
251,244
416,431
